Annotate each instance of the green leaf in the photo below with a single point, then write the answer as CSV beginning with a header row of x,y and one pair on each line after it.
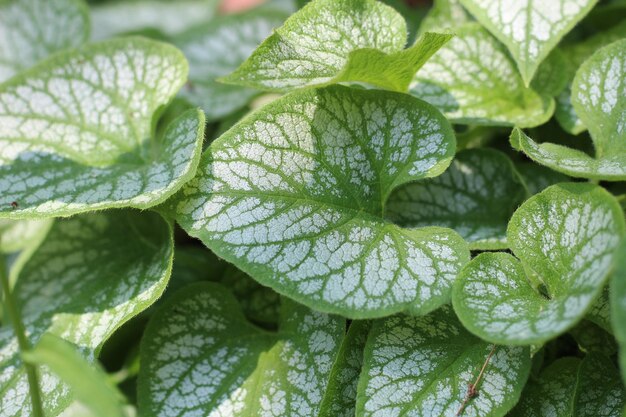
x,y
591,338
529,29
200,356
331,41
570,387
217,48
423,366
88,381
602,108
90,275
476,196
600,312
293,195
445,15
537,178
618,304
76,131
341,392
564,239
16,235
33,29
472,80
115,17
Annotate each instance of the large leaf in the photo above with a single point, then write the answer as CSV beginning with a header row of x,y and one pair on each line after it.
x,y
30,30
476,197
472,80
91,274
530,29
294,194
618,304
564,239
598,100
76,131
423,367
217,48
201,357
330,41
570,387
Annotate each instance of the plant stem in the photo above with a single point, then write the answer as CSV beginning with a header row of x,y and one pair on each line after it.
x,y
472,390
22,341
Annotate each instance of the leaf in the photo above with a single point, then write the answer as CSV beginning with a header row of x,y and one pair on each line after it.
x,y
33,29
537,178
472,80
570,387
331,41
529,29
90,275
341,392
564,239
217,48
591,338
16,235
422,366
89,383
201,357
600,312
112,18
445,15
618,304
601,107
476,196
75,131
293,195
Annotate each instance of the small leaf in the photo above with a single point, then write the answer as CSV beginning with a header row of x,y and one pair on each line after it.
x,y
476,196
293,195
30,30
618,304
201,357
529,29
217,48
423,366
88,381
564,239
341,392
90,275
472,80
602,108
75,131
331,41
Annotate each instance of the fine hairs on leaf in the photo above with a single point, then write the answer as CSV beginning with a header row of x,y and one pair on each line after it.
x,y
313,208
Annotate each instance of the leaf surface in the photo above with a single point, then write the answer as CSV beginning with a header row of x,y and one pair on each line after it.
x,y
618,304
118,261
293,195
422,367
76,131
530,29
564,239
202,357
472,80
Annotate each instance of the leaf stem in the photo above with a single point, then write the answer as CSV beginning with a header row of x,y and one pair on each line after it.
x,y
472,389
22,341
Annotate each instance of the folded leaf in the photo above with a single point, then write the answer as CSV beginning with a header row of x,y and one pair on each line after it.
x,y
331,41
472,80
423,366
30,30
76,131
90,275
293,195
476,197
530,29
564,239
201,357
598,100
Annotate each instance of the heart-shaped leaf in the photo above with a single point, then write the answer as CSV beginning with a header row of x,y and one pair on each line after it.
x,y
570,387
217,48
618,304
200,356
423,366
564,239
331,41
599,102
476,196
76,131
530,29
30,30
294,194
90,275
472,80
